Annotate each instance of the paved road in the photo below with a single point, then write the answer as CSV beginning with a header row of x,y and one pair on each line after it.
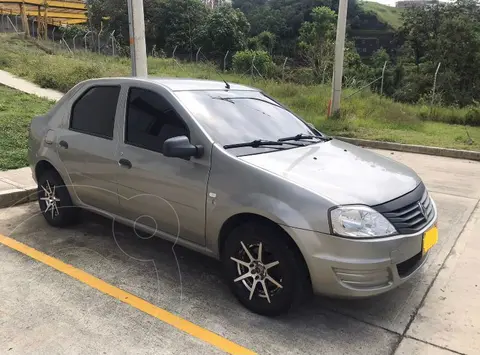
x,y
45,311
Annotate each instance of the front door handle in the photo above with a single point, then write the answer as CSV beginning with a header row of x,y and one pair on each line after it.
x,y
125,163
63,144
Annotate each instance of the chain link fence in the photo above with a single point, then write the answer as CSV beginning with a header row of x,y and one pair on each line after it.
x,y
285,69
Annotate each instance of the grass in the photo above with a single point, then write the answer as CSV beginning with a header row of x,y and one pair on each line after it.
x,y
387,14
16,111
364,115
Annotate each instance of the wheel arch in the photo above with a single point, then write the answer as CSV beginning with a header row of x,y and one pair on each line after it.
x,y
232,222
43,165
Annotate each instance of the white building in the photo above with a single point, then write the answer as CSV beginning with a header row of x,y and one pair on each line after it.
x,y
214,3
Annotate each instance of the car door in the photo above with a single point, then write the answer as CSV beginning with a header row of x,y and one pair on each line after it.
x,y
165,194
87,148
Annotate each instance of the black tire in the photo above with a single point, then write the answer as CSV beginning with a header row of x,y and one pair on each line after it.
x,y
65,213
291,271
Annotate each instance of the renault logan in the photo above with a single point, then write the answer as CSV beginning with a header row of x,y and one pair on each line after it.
x,y
228,171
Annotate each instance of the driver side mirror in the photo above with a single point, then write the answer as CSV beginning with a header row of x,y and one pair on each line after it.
x,y
180,147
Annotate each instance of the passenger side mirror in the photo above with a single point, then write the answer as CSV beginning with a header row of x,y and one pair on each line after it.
x,y
180,147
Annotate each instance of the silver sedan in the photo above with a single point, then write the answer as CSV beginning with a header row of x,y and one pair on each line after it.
x,y
228,171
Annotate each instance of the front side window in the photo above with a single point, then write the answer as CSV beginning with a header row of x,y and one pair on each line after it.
x,y
94,112
151,120
231,117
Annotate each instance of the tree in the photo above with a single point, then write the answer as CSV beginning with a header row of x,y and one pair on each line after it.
x,y
264,41
116,11
177,23
317,40
225,29
447,33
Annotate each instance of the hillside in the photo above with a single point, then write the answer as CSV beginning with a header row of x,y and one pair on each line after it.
x,y
364,114
389,15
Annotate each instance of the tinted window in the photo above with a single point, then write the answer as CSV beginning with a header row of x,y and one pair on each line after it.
x,y
151,120
94,112
241,116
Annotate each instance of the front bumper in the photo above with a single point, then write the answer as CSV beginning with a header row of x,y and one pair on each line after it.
x,y
353,268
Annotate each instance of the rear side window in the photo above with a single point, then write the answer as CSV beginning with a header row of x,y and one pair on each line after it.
x,y
151,120
94,112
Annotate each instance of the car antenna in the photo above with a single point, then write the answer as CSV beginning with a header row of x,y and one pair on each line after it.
x,y
227,85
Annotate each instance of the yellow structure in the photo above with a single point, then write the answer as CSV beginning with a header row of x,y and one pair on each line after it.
x,y
46,12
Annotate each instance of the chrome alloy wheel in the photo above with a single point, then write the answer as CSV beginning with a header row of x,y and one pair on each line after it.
x,y
255,271
50,199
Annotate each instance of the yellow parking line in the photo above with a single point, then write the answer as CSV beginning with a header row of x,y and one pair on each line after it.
x,y
134,301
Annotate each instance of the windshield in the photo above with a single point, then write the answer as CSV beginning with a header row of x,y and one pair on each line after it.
x,y
231,117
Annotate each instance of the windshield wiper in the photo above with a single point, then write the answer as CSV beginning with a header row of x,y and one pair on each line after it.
x,y
303,136
260,143
254,144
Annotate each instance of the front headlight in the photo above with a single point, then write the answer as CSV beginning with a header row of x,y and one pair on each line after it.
x,y
359,222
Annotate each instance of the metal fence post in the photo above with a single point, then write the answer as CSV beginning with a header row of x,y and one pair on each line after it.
x,y
53,34
283,68
225,61
433,89
196,56
3,23
323,74
383,77
435,83
113,42
253,65
74,44
66,45
98,39
173,55
85,40
11,23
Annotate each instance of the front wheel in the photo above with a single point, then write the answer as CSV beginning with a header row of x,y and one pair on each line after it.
x,y
263,270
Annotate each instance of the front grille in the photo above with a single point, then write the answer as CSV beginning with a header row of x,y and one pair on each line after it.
x,y
409,213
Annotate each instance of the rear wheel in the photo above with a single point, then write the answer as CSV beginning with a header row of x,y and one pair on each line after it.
x,y
54,200
263,270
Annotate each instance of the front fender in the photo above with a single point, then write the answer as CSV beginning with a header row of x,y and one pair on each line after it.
x,y
258,204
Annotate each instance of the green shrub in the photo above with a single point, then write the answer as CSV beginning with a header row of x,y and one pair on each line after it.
x,y
304,76
63,78
472,117
243,60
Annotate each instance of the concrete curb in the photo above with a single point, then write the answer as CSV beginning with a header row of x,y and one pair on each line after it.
x,y
420,149
16,196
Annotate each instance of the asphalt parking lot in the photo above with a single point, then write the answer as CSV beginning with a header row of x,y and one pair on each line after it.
x,y
44,311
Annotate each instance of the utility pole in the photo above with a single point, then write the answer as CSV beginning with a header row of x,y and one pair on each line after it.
x,y
138,48
339,51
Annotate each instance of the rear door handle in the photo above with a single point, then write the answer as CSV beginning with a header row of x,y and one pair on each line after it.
x,y
125,163
63,144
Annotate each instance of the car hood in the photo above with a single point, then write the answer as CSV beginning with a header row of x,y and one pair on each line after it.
x,y
340,172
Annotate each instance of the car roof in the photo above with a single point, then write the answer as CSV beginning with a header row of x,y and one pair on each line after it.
x,y
177,84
